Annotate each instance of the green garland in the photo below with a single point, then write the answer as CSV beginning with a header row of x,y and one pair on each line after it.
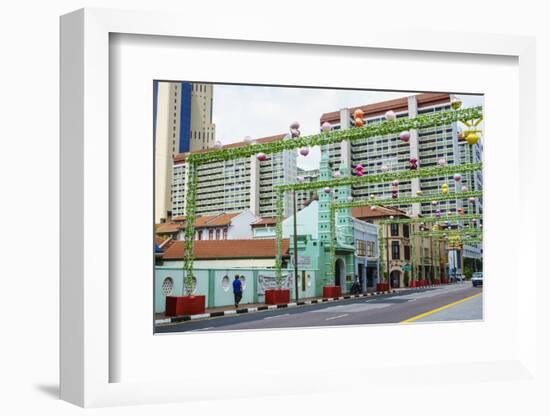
x,y
337,136
409,200
418,220
442,233
279,239
433,171
188,257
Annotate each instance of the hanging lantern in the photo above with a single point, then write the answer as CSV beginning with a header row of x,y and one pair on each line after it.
x,y
391,217
419,192
464,188
359,122
441,162
472,138
437,213
247,140
384,168
471,200
336,174
358,113
371,196
445,189
304,151
457,177
359,173
395,183
394,193
326,127
405,136
295,133
301,179
217,145
373,207
390,115
456,103
413,163
350,198
460,211
294,125
261,156
434,203
327,190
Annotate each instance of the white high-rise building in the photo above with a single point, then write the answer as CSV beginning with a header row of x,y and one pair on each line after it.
x,y
237,185
426,145
182,123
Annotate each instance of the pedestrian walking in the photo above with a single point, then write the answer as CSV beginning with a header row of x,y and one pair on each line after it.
x,y
237,290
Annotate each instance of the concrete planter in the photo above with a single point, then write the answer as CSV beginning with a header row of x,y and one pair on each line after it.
x,y
332,291
185,305
277,296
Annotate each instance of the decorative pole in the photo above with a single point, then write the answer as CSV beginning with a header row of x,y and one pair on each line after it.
x,y
295,245
279,238
189,228
388,256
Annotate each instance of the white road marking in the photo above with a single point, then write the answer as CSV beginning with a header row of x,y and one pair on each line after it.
x,y
202,329
277,316
336,317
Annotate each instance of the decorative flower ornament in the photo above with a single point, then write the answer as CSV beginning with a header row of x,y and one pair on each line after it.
x,y
472,138
464,188
413,163
359,122
304,151
326,127
434,203
327,190
471,200
441,162
395,182
301,179
457,177
358,113
456,103
390,115
405,136
261,156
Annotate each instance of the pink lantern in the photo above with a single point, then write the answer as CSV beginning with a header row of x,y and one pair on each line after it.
x,y
326,127
261,156
359,173
326,190
295,133
384,168
359,166
294,125
301,179
395,183
350,198
457,177
304,151
405,136
373,207
464,188
337,174
390,115
441,162
471,200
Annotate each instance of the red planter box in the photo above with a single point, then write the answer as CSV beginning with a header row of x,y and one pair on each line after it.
x,y
277,296
413,283
332,291
382,287
445,280
185,305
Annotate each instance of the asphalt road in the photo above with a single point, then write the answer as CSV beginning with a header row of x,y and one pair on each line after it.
x,y
386,309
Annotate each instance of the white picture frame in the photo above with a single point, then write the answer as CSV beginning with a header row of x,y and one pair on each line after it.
x,y
87,309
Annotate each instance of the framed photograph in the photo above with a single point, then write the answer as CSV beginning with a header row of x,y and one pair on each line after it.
x,y
323,214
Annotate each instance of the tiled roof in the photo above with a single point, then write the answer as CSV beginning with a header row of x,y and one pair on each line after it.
x,y
168,227
181,156
397,105
228,249
265,221
379,212
222,219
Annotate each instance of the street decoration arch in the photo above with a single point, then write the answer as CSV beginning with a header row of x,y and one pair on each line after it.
x,y
391,126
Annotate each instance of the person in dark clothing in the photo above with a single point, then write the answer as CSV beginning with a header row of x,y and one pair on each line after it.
x,y
237,290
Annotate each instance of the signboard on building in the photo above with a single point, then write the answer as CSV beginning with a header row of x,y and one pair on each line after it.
x,y
302,261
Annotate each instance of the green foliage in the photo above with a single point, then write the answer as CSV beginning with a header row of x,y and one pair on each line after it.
x,y
406,279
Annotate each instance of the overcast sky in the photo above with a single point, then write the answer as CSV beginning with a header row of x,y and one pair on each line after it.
x,y
255,111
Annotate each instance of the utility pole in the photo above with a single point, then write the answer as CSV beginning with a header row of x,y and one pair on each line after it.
x,y
388,255
295,246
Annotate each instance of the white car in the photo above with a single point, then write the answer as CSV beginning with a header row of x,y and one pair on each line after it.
x,y
477,279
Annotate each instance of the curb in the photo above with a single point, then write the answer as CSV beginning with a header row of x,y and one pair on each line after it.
x,y
184,318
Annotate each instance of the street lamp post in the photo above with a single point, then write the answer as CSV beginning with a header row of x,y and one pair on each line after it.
x,y
295,246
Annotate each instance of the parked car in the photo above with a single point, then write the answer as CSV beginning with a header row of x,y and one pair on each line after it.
x,y
460,277
477,279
